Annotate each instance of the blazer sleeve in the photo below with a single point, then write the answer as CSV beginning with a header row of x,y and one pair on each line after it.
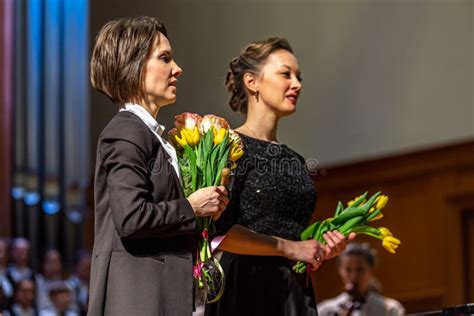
x,y
133,212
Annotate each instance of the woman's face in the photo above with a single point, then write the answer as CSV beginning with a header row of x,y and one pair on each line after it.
x,y
279,82
356,273
161,73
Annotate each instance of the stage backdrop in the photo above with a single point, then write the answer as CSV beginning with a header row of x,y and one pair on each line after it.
x,y
380,77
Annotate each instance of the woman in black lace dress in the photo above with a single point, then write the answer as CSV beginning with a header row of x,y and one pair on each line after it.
x,y
272,197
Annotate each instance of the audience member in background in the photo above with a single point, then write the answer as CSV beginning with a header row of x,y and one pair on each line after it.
x,y
61,297
79,281
360,297
24,300
5,284
52,271
19,268
3,302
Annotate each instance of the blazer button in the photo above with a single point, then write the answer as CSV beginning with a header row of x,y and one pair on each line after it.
x,y
182,218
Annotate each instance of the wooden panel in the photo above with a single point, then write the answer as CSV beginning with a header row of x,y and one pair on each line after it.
x,y
466,203
468,226
428,272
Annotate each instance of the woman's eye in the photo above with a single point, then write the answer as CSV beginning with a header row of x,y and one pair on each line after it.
x,y
165,58
286,74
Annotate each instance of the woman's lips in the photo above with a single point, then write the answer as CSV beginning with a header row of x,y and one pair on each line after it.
x,y
293,98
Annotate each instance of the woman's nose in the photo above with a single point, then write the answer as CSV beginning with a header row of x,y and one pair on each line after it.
x,y
177,71
296,85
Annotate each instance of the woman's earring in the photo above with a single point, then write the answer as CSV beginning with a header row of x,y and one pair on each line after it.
x,y
256,95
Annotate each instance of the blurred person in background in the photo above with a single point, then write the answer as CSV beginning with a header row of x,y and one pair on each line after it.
x,y
61,297
362,292
24,300
3,302
19,268
79,281
5,285
52,269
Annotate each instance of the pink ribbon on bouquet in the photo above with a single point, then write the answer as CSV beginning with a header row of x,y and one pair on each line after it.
x,y
215,242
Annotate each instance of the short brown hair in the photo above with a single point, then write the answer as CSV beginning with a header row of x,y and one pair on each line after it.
x,y
250,60
121,50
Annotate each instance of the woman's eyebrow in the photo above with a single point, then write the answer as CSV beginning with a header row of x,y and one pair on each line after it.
x,y
298,72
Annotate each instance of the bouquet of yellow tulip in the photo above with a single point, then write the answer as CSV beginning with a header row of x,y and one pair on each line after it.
x,y
207,150
353,218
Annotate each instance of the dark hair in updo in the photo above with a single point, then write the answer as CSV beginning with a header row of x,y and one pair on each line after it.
x,y
360,249
250,60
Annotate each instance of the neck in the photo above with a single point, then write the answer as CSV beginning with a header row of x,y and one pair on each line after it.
x,y
261,123
151,107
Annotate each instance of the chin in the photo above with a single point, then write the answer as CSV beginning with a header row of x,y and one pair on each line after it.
x,y
169,101
288,111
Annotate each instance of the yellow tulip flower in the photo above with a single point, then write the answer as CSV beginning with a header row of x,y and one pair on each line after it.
x,y
218,135
181,140
235,152
194,137
385,232
381,201
188,137
390,243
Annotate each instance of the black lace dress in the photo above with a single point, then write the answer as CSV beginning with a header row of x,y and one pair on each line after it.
x,y
272,194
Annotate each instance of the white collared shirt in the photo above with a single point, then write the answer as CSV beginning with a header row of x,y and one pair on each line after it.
x,y
157,129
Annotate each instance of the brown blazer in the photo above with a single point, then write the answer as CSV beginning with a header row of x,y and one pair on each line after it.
x,y
144,227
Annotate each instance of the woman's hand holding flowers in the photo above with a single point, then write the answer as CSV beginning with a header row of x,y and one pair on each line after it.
x,y
314,252
310,251
348,221
336,243
209,201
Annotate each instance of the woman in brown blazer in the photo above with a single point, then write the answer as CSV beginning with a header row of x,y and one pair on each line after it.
x,y
144,226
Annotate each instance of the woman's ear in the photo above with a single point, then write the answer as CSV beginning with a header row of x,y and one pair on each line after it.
x,y
250,82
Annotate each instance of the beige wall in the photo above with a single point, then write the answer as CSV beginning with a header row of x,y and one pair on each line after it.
x,y
380,76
